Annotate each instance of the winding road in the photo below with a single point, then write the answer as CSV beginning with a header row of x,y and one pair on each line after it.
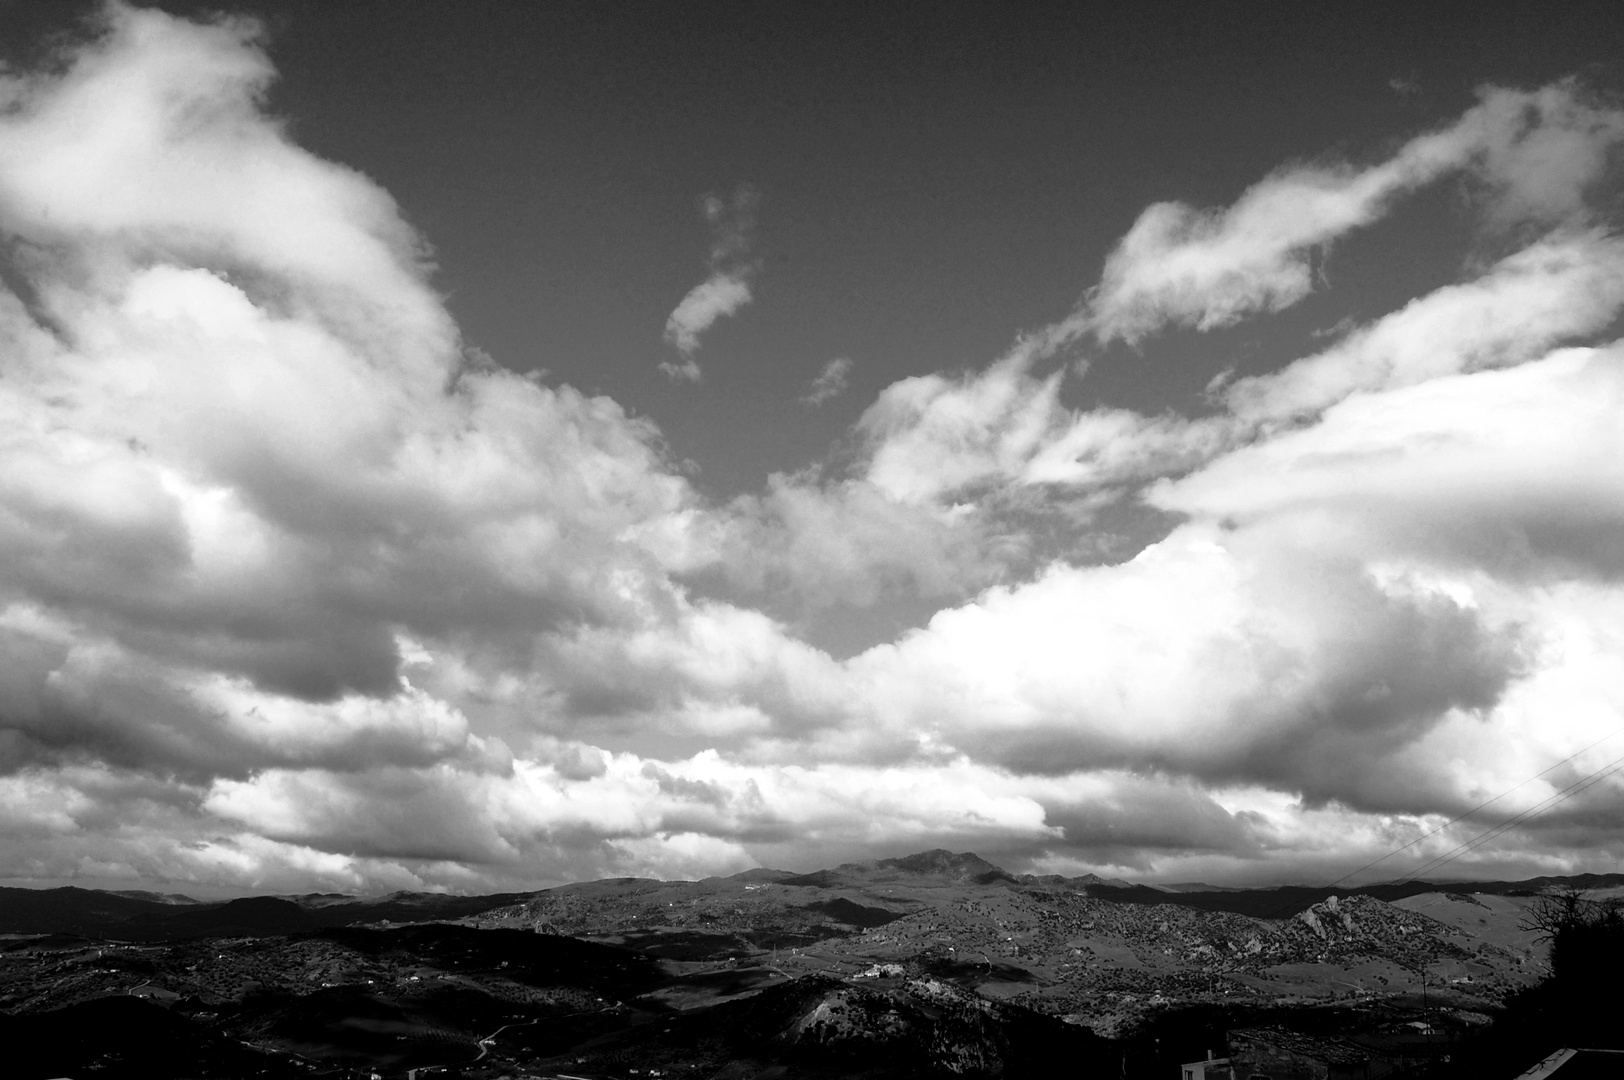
x,y
485,1043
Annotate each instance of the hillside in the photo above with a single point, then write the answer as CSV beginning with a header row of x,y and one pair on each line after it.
x,y
1060,946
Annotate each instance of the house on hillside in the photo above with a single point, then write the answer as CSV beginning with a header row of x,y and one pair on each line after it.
x,y
1572,1064
1277,1054
1213,1068
155,994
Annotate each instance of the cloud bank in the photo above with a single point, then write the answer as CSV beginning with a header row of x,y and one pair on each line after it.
x,y
299,593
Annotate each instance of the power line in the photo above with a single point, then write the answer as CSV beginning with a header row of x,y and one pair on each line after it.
x,y
1473,810
1577,787
1489,834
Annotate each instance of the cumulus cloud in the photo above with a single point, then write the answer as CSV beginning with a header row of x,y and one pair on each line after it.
x,y
1244,659
725,291
1513,471
831,382
851,542
246,461
301,593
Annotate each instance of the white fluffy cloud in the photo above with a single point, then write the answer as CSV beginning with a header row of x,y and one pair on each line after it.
x,y
244,458
854,542
298,594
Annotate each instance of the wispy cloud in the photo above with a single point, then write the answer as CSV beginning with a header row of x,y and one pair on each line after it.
x,y
685,370
1535,153
831,382
725,291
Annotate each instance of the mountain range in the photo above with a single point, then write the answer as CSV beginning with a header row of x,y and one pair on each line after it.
x,y
937,958
152,916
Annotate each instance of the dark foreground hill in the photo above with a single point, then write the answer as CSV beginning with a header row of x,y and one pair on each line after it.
x,y
823,1027
323,1002
149,917
126,1038
494,1003
45,911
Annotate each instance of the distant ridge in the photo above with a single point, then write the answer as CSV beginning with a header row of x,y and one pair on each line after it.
x,y
762,874
45,911
1077,882
1187,886
1284,901
134,916
155,897
938,863
966,866
139,915
253,914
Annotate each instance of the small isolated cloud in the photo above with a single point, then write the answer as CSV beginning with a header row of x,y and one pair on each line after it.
x,y
725,291
688,370
831,382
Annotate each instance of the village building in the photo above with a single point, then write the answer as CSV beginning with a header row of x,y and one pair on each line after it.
x,y
1577,1064
1213,1068
155,994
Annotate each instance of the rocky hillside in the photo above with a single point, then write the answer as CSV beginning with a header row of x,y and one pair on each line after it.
x,y
1050,943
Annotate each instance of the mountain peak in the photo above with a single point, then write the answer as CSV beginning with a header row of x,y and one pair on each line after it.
x,y
939,862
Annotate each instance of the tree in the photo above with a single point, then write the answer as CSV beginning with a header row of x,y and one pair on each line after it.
x,y
1586,938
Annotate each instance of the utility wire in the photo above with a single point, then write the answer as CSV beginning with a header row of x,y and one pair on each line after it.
x,y
1469,813
1489,834
1550,802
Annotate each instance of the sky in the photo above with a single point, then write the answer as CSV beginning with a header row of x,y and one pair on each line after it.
x,y
475,447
